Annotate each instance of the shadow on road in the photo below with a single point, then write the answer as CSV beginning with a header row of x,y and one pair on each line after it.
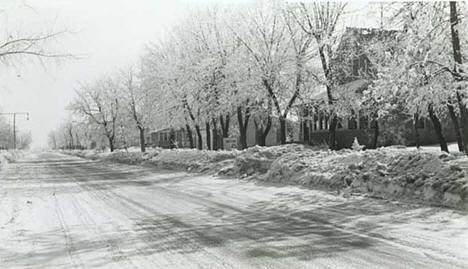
x,y
275,228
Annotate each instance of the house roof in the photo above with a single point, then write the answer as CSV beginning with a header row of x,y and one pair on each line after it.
x,y
351,60
161,130
353,87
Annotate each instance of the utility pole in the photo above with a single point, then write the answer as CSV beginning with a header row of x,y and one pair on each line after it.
x,y
14,123
14,131
381,15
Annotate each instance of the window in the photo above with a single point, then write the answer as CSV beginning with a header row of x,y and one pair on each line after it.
x,y
315,123
355,67
305,130
420,123
363,122
360,65
363,65
352,123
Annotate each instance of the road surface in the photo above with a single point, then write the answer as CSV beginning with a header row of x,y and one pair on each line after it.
x,y
58,211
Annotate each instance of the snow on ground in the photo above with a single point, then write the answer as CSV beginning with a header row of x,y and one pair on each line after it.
x,y
60,211
425,175
7,156
452,147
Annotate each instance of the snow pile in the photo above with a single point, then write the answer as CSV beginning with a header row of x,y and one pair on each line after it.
x,y
120,156
12,155
3,161
88,154
258,160
394,173
8,156
132,157
430,177
193,160
175,159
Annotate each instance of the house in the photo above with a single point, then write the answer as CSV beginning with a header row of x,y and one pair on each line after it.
x,y
168,138
353,72
273,137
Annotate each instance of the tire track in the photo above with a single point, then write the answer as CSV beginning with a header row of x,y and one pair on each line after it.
x,y
68,239
119,203
100,195
117,254
123,203
137,226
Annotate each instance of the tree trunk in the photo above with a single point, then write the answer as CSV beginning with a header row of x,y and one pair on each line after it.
x,y
260,139
454,21
224,122
264,132
456,127
142,139
208,135
199,136
332,133
376,135
243,121
77,139
282,122
215,134
305,130
243,138
416,131
111,143
189,135
438,129
464,122
225,125
70,133
258,134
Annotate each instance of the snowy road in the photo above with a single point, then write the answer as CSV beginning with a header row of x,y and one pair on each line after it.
x,y
58,211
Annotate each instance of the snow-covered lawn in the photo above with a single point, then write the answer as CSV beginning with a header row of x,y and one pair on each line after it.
x,y
425,175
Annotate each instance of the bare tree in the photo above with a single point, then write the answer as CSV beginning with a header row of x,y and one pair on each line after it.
x,y
100,103
30,45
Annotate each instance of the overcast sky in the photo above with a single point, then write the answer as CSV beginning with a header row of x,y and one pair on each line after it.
x,y
108,34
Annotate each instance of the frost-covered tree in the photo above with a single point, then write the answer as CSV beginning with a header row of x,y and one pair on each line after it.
x,y
263,31
99,103
138,100
320,21
460,71
169,69
415,66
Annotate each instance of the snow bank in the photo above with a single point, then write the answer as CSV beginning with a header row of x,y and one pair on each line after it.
x,y
392,173
7,156
412,175
120,156
192,159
